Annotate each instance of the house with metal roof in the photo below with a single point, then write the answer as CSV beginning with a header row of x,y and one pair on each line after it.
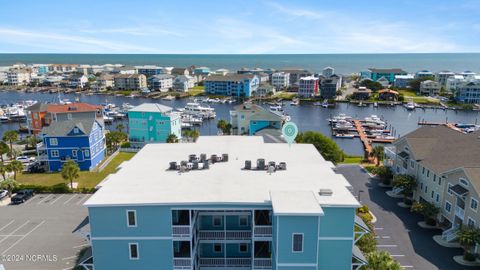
x,y
81,140
225,202
248,119
446,165
388,73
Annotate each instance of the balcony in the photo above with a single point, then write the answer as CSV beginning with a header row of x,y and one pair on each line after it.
x,y
225,262
459,212
180,231
264,231
262,263
227,235
182,263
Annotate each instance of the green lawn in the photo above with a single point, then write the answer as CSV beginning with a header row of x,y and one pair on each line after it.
x,y
86,179
284,95
352,159
196,90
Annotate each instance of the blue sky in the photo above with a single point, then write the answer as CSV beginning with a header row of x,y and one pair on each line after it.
x,y
236,26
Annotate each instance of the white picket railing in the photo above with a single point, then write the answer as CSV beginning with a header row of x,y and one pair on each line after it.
x,y
181,230
218,235
182,263
262,231
262,263
450,234
219,262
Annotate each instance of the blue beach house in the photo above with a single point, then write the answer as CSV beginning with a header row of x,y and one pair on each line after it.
x,y
152,123
82,140
237,85
248,119
225,202
387,73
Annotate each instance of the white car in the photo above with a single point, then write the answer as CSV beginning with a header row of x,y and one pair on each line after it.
x,y
25,159
3,193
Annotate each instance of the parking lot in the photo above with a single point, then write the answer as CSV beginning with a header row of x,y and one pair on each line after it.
x,y
38,233
396,228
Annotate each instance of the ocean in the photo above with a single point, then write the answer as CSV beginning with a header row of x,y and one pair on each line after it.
x,y
343,63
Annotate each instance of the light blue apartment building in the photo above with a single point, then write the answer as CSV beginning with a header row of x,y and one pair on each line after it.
x,y
238,85
248,119
224,202
387,73
152,123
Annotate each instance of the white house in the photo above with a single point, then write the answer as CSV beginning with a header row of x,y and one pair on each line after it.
x,y
280,80
183,82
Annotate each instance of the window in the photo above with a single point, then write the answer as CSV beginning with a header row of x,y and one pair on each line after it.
x,y
437,198
412,164
448,206
421,186
69,116
217,248
243,248
428,173
74,153
433,193
297,245
150,118
473,204
53,141
86,153
217,221
470,222
434,177
423,170
448,189
463,182
131,218
133,248
243,220
426,188
75,130
54,153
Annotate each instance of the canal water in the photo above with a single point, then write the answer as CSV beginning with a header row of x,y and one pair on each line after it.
x,y
306,116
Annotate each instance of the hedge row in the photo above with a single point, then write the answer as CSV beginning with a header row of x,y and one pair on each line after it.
x,y
58,188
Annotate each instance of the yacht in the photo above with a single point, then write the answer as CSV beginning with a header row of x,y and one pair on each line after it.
x,y
410,105
344,136
340,117
194,108
276,108
295,102
343,125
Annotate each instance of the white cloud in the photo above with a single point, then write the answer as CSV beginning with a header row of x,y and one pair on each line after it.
x,y
134,31
296,12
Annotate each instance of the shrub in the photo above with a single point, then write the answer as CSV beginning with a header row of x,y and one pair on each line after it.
x,y
126,145
468,256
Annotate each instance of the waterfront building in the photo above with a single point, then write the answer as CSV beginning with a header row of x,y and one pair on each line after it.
x,y
18,76
469,92
387,95
104,82
81,140
281,80
308,87
387,73
183,82
446,165
365,74
442,77
62,68
383,81
125,70
248,119
40,68
162,82
362,93
149,70
424,74
239,85
430,88
221,72
329,87
295,74
453,82
468,74
77,81
130,81
328,72
264,90
180,71
403,81
205,71
41,114
235,203
152,123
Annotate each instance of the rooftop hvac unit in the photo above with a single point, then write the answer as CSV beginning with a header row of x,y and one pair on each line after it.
x,y
325,192
183,163
203,157
173,165
225,157
260,164
282,166
248,165
195,165
206,165
271,169
213,158
192,157
271,163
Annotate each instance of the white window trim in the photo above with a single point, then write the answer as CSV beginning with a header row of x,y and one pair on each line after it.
x,y
240,249
469,218
213,221
74,153
135,218
460,180
86,153
448,189
221,248
130,251
53,140
240,223
57,153
293,242
445,207
474,210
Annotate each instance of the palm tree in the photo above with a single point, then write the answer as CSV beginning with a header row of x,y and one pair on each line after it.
x,y
172,138
4,149
9,184
70,171
468,237
120,127
194,134
15,166
377,153
406,182
32,141
10,136
3,171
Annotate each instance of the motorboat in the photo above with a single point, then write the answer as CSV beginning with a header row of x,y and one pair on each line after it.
x,y
295,102
340,117
343,125
196,109
168,98
344,136
276,108
410,105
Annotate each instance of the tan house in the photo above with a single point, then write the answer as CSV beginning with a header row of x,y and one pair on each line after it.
x,y
446,165
130,81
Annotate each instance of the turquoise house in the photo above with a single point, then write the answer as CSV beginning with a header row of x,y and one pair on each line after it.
x,y
224,202
387,73
248,119
152,123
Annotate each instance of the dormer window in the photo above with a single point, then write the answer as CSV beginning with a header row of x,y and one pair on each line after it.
x,y
75,130
463,182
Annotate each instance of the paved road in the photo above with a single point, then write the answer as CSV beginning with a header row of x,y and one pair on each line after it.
x,y
397,229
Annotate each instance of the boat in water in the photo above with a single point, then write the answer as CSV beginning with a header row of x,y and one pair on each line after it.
x,y
410,106
276,108
344,136
168,98
340,117
196,109
295,102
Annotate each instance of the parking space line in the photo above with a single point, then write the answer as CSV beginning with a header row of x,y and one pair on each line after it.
x,y
7,225
386,245
80,246
73,196
399,255
44,199
23,237
378,228
69,258
407,266
57,199
17,229
83,199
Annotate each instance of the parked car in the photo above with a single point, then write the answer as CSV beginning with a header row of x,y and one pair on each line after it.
x,y
35,167
22,196
25,159
3,193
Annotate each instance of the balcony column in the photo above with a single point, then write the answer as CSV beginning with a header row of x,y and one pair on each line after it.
x,y
191,236
224,237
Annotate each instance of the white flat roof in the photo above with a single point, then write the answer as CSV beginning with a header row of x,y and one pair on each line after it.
x,y
295,202
146,180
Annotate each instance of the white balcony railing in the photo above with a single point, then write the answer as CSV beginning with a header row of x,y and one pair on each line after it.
x,y
459,212
231,262
182,263
219,235
450,234
262,263
262,231
181,230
